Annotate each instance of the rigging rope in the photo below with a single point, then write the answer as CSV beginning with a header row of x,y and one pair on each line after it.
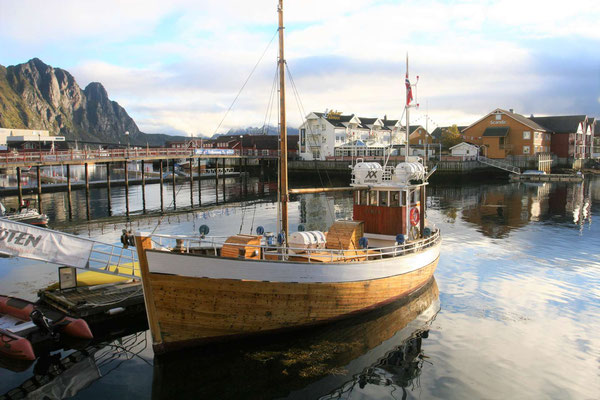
x,y
246,82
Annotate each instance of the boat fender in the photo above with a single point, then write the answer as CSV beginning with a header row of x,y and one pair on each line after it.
x,y
426,232
43,323
363,242
400,238
204,229
260,230
414,216
300,228
281,238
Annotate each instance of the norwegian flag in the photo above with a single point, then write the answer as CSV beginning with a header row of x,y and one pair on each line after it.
x,y
409,96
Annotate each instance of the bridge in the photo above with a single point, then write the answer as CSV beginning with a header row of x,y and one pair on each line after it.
x,y
499,164
77,157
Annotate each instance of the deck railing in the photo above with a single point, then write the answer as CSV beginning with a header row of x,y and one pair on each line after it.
x,y
211,244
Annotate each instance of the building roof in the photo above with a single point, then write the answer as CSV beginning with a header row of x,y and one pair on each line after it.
x,y
517,117
495,132
561,123
464,143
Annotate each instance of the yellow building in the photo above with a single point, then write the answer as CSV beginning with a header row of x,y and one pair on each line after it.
x,y
502,133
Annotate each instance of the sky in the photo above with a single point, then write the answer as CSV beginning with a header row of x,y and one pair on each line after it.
x,y
178,66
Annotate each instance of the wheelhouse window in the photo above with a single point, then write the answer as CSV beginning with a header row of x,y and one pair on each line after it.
x,y
383,198
372,198
395,199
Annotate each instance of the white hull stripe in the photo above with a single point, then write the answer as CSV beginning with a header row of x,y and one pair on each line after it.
x,y
261,270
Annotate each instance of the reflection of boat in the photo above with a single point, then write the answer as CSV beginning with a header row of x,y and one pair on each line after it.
x,y
203,289
24,214
22,324
307,364
58,377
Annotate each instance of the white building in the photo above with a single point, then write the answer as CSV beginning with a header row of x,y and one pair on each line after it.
x,y
27,139
465,150
330,134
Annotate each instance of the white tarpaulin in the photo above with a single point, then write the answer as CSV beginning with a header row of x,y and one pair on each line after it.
x,y
28,241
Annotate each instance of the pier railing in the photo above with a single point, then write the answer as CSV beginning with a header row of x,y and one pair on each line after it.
x,y
211,244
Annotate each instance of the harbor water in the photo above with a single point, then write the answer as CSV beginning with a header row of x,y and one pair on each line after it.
x,y
514,311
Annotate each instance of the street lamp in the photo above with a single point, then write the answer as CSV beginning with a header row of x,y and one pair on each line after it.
x,y
127,134
241,146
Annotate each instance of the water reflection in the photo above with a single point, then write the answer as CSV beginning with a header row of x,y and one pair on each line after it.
x,y
497,210
380,348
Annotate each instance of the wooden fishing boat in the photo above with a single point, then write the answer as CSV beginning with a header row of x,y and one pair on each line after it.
x,y
22,324
200,288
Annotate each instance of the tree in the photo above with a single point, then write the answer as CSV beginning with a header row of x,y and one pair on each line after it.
x,y
451,136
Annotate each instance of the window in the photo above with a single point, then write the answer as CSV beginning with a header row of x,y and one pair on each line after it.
x,y
323,127
363,197
373,198
395,199
383,198
498,117
526,135
526,149
265,152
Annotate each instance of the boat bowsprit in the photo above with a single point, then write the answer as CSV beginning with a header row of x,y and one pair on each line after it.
x,y
22,324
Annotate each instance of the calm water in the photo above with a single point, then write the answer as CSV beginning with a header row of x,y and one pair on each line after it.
x,y
517,313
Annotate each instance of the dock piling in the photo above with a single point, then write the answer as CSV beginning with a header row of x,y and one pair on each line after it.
x,y
162,202
39,189
174,185
143,188
191,183
19,187
87,190
126,189
69,202
108,188
216,181
224,177
199,184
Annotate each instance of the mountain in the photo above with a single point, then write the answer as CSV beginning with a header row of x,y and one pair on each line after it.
x,y
267,130
34,95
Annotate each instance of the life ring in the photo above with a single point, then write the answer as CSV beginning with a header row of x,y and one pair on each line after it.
x,y
414,216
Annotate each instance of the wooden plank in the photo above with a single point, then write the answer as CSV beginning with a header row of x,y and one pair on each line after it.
x,y
141,244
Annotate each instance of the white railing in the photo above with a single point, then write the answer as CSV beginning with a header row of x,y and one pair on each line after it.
x,y
499,164
212,244
114,260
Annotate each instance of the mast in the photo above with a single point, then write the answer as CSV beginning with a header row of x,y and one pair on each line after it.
x,y
407,146
283,173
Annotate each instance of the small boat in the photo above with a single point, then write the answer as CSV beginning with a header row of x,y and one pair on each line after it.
x,y
23,324
24,214
200,289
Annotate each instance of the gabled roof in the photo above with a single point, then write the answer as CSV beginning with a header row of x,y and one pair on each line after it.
x,y
500,131
561,123
517,117
464,143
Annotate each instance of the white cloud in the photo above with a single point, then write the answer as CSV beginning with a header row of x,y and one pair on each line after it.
x,y
180,64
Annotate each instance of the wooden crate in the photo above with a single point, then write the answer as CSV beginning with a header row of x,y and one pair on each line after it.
x,y
242,246
344,235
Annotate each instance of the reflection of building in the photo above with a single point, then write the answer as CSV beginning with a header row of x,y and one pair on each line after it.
x,y
318,211
502,209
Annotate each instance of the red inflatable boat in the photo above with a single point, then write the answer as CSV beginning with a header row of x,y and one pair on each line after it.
x,y
22,323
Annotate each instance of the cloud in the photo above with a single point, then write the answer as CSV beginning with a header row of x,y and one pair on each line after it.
x,y
190,58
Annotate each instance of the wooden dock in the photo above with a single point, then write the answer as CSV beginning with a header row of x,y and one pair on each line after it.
x,y
97,303
547,178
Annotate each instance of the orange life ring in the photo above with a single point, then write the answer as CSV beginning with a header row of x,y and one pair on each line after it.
x,y
414,216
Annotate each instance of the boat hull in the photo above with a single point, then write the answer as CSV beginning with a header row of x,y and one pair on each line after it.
x,y
188,310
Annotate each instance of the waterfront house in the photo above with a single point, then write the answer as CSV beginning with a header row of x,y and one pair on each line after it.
x,y
333,134
501,133
418,135
31,140
572,135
